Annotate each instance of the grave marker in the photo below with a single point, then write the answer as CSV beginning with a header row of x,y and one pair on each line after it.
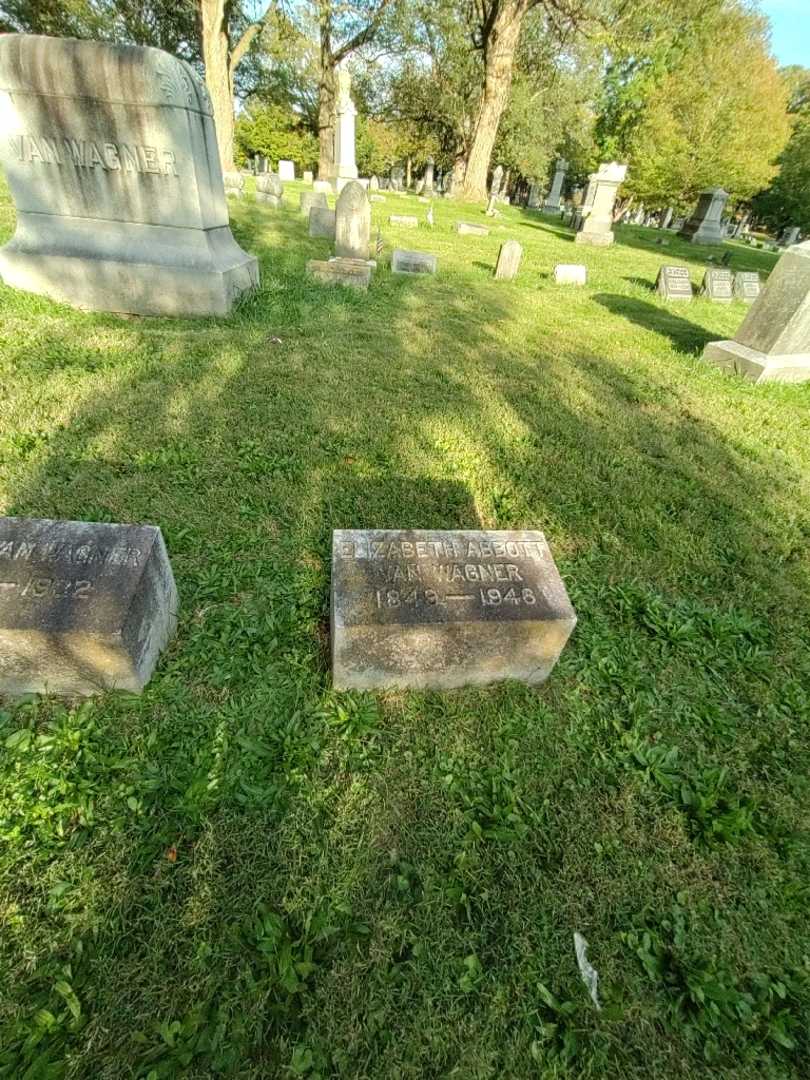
x,y
466,228
286,170
718,284
351,272
353,223
322,222
570,274
673,283
412,262
269,189
405,221
308,199
508,262
435,610
84,607
747,285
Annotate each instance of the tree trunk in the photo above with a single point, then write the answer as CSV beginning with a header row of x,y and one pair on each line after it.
x,y
408,173
499,60
326,109
215,51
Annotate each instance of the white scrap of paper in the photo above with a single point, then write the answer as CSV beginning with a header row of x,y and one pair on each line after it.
x,y
589,974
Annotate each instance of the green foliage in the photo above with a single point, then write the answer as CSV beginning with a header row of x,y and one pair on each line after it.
x,y
787,201
275,132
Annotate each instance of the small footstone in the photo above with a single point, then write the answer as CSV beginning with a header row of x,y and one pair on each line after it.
x,y
412,262
718,284
570,274
508,261
322,222
351,272
405,221
673,283
84,607
377,198
436,610
466,228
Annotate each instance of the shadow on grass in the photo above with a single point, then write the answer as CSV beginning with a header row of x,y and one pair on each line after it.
x,y
743,257
686,336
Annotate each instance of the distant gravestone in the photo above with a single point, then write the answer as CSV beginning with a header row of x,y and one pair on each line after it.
x,y
570,274
508,262
374,184
412,262
308,199
594,220
705,226
552,204
377,198
323,187
466,228
428,178
747,285
351,272
405,221
718,284
308,176
322,222
84,607
773,343
353,223
673,283
269,189
111,156
234,184
286,170
435,610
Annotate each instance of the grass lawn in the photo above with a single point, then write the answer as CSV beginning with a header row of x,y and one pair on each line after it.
x,y
242,873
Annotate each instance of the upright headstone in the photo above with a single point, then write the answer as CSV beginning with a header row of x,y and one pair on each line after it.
x,y
353,223
673,283
790,236
508,262
535,196
84,607
269,189
705,224
667,217
435,610
594,223
773,343
286,170
428,184
234,184
308,199
747,285
345,165
552,204
322,222
718,284
309,176
111,156
497,180
374,184
397,178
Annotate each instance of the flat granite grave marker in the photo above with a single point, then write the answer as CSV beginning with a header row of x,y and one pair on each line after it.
x,y
405,221
773,342
352,272
412,262
673,283
467,228
111,156
435,610
718,284
747,285
508,262
570,274
322,222
84,607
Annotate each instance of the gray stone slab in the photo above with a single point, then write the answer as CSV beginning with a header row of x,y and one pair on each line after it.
x,y
570,274
111,156
405,221
718,284
747,285
467,228
435,610
322,222
352,272
508,263
286,170
413,262
308,199
269,184
353,222
84,607
673,283
324,187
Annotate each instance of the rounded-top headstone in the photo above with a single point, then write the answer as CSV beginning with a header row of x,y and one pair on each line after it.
x,y
111,155
353,222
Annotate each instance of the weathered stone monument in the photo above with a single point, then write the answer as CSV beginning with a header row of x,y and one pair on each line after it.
x,y
773,343
308,199
595,219
705,225
84,607
552,204
467,228
111,156
322,222
234,184
535,196
436,610
718,284
747,286
345,165
570,274
412,262
352,223
428,178
269,189
508,262
355,273
309,176
286,170
674,283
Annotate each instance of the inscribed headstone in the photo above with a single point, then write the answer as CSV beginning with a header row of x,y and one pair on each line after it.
x,y
673,283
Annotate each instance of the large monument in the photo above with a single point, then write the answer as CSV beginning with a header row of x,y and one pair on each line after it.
x,y
594,223
344,165
705,226
773,343
111,155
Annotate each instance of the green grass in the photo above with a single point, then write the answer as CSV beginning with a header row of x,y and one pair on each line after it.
x,y
242,873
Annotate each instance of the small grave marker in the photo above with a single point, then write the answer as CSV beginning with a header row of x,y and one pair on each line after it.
x,y
747,285
308,199
673,283
467,228
412,262
322,222
405,221
718,284
570,274
508,262
286,170
351,272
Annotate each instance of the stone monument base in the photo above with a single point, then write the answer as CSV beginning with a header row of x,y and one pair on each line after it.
x,y
168,271
706,233
757,366
595,239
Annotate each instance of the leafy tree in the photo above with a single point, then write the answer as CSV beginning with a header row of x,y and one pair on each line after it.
x,y
275,132
787,201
